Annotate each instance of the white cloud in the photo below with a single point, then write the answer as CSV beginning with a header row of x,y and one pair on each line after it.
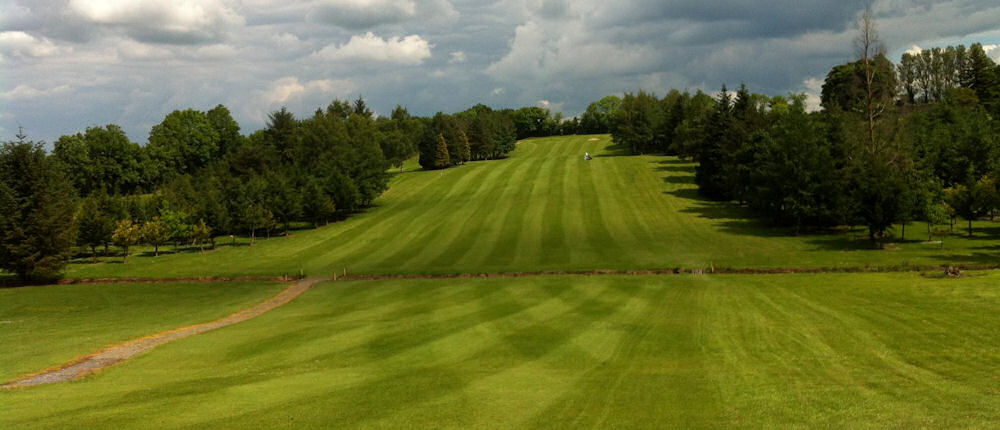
x,y
814,84
21,44
411,50
25,92
914,50
814,88
132,50
457,57
552,107
289,88
177,22
993,51
497,91
551,51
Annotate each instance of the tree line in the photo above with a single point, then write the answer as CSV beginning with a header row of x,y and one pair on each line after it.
x,y
482,133
892,143
199,178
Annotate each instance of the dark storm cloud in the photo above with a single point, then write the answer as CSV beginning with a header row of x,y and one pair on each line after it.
x,y
49,18
738,19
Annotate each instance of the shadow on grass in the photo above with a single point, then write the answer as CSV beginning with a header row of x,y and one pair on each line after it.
x,y
726,217
685,170
974,258
730,218
675,165
615,150
978,232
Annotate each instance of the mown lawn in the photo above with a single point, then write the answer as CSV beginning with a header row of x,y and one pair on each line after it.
x,y
778,351
545,208
41,327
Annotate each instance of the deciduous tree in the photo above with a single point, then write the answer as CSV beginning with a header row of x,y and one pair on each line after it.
x,y
127,234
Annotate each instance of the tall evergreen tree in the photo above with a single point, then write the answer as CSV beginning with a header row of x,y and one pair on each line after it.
x,y
282,134
982,76
37,224
441,157
713,160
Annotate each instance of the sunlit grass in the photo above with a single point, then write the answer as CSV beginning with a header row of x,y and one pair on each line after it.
x,y
791,351
545,208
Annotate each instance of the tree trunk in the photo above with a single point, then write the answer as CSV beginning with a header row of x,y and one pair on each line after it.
x,y
105,248
970,228
902,237
125,255
930,235
252,235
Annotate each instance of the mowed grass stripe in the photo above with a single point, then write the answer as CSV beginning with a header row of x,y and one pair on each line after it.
x,y
602,397
361,241
544,208
495,236
520,190
628,221
600,240
422,224
553,236
472,211
828,351
529,245
426,225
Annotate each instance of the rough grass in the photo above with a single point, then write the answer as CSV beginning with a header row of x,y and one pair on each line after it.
x,y
791,351
41,327
545,208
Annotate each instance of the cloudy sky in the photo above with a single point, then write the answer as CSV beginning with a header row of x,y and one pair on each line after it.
x,y
69,64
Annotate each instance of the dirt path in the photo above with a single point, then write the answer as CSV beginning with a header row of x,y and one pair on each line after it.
x,y
119,353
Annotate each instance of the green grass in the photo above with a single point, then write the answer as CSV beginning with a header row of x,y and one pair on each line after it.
x,y
901,350
545,208
41,327
791,351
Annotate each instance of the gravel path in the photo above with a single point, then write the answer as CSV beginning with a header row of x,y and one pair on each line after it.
x,y
118,353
